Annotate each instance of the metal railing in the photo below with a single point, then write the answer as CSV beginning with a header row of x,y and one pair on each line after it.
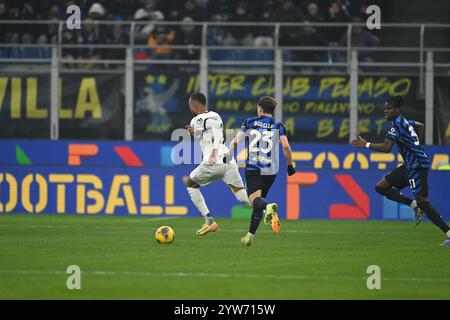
x,y
425,66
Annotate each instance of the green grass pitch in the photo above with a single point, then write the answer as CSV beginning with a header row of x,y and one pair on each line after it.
x,y
119,259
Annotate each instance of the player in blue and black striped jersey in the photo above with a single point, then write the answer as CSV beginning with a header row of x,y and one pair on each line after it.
x,y
262,137
414,171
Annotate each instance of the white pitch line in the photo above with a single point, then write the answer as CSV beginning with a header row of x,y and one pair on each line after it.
x,y
87,226
223,275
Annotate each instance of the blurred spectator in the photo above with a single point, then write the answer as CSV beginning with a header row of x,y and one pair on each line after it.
x,y
142,30
310,36
219,10
313,14
69,37
345,6
118,36
150,12
239,35
362,11
161,35
288,12
335,15
146,24
98,13
91,34
23,33
152,7
190,9
50,34
361,37
188,34
264,36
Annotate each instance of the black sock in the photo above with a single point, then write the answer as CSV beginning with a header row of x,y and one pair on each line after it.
x,y
434,216
260,203
256,220
394,195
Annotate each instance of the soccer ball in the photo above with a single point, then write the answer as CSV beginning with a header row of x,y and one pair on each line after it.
x,y
165,235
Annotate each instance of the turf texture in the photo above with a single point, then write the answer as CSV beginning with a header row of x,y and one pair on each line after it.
x,y
120,259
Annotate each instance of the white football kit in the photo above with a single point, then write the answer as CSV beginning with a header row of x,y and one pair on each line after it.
x,y
208,131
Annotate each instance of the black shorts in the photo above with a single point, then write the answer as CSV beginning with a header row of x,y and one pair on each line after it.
x,y
416,179
255,181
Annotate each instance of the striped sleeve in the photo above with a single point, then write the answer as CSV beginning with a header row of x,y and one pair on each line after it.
x,y
282,129
244,126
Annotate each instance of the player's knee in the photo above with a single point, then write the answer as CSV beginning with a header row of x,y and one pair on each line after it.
x,y
189,183
380,190
424,205
421,199
259,203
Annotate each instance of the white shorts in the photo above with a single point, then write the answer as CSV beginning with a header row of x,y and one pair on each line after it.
x,y
228,172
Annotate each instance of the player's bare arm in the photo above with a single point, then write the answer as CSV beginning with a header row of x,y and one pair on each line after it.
x,y
386,146
234,142
287,151
190,129
213,156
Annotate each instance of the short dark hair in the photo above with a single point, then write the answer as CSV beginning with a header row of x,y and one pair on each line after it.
x,y
268,104
396,101
200,97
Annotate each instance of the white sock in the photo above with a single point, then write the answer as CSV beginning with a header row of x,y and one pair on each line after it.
x,y
413,204
199,201
448,233
250,234
242,196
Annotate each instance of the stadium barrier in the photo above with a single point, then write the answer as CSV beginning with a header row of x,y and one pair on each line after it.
x,y
140,179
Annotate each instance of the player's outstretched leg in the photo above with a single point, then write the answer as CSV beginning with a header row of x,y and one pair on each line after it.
x,y
199,201
437,220
384,188
234,181
259,206
257,215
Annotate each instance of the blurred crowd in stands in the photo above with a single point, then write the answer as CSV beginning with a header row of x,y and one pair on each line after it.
x,y
147,13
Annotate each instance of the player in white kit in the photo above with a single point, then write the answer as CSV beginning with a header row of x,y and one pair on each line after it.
x,y
207,128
